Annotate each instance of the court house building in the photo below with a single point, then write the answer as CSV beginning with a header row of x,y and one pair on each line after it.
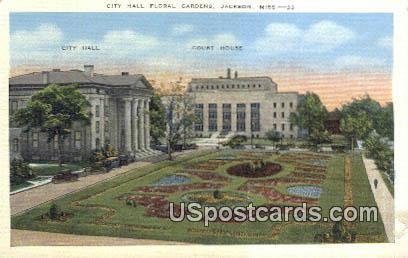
x,y
242,105
119,105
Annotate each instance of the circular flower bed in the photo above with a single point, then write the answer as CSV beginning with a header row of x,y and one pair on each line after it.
x,y
259,169
310,191
172,180
216,197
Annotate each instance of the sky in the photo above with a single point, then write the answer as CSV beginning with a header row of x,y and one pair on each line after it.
x,y
338,56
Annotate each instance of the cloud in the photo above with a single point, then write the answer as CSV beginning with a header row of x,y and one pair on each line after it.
x,y
181,29
226,39
385,42
322,36
43,35
358,62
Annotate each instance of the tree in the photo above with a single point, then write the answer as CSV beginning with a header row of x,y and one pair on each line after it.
x,y
180,117
274,136
311,113
319,137
53,110
385,122
157,119
356,127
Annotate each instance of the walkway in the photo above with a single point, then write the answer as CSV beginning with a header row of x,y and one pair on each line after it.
x,y
29,199
37,238
383,198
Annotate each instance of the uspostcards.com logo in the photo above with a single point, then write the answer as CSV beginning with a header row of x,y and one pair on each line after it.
x,y
195,212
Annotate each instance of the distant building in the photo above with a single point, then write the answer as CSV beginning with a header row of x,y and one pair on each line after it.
x,y
332,122
242,105
118,104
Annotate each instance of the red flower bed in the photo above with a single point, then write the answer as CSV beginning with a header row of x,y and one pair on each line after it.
x,y
207,175
245,170
178,188
276,196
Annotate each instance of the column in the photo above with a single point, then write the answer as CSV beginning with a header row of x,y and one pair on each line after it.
x,y
102,122
93,127
205,119
135,130
147,124
248,130
141,125
233,117
128,121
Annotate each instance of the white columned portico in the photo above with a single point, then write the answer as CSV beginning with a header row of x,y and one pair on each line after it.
x,y
147,124
135,129
128,129
141,125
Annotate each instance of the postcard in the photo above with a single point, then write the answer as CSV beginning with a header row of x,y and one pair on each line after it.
x,y
204,125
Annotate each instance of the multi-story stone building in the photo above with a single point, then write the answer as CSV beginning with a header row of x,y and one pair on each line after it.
x,y
119,105
242,105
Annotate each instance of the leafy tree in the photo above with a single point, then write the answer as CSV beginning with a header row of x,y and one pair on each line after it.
x,y
318,137
311,113
53,110
237,141
20,171
385,122
274,136
157,119
356,127
179,117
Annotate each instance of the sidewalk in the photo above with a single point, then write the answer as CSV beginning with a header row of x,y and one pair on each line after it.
x,y
37,238
383,198
31,198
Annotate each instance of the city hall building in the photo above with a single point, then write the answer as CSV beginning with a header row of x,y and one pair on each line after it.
x,y
119,105
242,105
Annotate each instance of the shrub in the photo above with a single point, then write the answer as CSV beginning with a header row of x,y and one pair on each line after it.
x,y
20,171
237,141
54,212
217,194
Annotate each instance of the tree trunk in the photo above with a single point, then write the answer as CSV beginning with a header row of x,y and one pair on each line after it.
x,y
169,150
60,149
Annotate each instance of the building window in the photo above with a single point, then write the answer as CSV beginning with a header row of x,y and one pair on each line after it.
x,y
212,117
97,111
283,104
274,127
97,126
283,114
106,110
13,106
255,117
35,136
16,146
291,127
106,126
274,114
283,127
77,139
291,104
198,125
97,143
274,104
226,117
291,136
241,117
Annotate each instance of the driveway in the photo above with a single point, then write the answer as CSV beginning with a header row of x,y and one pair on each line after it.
x,y
31,198
383,198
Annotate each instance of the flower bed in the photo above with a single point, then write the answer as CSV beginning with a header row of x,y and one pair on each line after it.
x,y
246,170
209,165
310,191
172,180
178,188
205,175
209,198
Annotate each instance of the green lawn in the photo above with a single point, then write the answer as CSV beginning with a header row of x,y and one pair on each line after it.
x,y
98,211
49,169
15,187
